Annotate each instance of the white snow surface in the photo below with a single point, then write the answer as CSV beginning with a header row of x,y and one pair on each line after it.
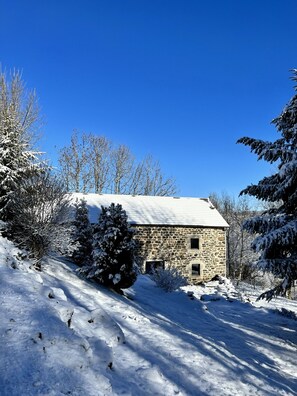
x,y
154,210
62,335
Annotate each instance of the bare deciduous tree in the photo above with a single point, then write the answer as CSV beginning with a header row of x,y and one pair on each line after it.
x,y
121,170
74,164
100,149
39,207
92,164
148,179
239,253
154,182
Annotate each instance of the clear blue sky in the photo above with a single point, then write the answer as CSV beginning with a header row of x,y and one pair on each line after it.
x,y
179,79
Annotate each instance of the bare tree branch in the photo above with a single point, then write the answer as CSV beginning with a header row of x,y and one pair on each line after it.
x,y
92,164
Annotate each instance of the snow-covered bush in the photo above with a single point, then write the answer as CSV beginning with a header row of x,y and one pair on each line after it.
x,y
39,207
82,234
168,278
266,280
113,250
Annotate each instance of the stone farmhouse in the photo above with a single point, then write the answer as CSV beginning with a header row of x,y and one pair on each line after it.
x,y
187,233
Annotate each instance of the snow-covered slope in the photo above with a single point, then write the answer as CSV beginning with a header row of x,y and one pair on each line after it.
x,y
61,335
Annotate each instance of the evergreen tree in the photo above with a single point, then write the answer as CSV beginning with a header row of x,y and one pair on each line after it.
x,y
83,234
276,227
113,250
18,119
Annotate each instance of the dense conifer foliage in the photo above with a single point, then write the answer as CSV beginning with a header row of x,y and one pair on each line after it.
x,y
113,250
82,235
276,227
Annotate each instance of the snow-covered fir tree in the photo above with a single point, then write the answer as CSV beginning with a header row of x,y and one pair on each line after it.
x,y
18,119
113,250
276,227
82,235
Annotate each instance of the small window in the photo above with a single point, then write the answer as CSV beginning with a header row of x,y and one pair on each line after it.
x,y
196,270
194,243
153,265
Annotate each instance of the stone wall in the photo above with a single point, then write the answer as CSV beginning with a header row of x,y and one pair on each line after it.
x,y
173,246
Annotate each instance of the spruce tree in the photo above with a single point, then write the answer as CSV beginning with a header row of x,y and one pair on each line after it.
x,y
113,250
18,121
276,227
82,235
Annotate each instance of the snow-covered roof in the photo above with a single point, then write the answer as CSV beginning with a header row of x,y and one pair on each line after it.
x,y
152,210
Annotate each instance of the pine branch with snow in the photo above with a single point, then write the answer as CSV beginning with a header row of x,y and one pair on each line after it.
x,y
276,227
82,235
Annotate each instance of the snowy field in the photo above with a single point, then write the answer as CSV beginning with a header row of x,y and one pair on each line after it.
x,y
61,335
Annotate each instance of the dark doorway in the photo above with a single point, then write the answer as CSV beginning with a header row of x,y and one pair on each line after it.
x,y
153,265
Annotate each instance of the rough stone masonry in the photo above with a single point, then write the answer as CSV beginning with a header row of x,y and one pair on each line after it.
x,y
172,245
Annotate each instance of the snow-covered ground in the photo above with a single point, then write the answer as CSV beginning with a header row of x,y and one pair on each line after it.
x,y
61,335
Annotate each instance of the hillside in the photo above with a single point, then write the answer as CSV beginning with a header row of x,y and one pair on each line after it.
x,y
62,335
